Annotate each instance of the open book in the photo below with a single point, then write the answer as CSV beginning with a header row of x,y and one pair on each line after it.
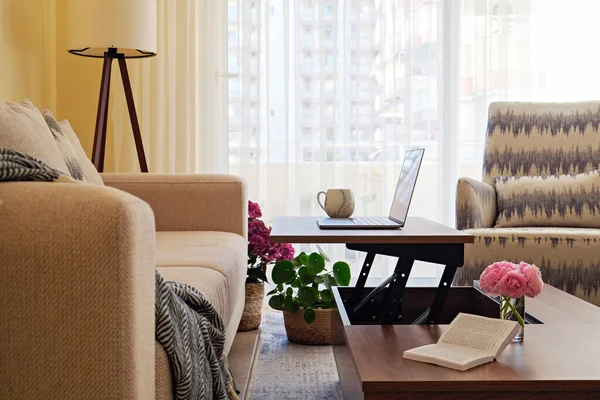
x,y
470,341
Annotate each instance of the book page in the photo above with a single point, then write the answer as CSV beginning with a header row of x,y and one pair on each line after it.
x,y
449,355
481,333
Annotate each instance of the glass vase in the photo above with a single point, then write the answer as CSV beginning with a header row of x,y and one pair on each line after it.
x,y
514,310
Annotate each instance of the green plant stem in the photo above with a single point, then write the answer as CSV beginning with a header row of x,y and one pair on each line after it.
x,y
507,305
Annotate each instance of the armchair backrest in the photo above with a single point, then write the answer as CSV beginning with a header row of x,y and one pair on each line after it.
x,y
537,139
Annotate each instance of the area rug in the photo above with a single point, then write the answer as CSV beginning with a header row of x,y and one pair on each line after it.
x,y
284,370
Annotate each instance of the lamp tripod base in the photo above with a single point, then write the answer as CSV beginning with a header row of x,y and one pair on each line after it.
x,y
102,114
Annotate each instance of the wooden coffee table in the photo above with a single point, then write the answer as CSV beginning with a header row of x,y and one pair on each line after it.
x,y
419,240
558,359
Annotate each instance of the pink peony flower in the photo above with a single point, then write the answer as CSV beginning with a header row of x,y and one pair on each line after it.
x,y
533,276
254,210
492,275
513,284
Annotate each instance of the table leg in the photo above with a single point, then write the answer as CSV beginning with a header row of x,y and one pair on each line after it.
x,y
362,279
393,305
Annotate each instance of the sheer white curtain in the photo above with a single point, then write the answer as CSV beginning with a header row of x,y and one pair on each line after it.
x,y
325,94
180,94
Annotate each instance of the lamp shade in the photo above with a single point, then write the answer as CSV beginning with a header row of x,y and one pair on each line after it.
x,y
127,26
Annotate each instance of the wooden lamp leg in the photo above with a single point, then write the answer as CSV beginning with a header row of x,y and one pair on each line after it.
x,y
102,115
137,136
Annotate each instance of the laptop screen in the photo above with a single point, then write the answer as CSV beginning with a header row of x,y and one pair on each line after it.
x,y
406,185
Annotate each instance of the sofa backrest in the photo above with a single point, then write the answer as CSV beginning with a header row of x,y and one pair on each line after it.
x,y
541,139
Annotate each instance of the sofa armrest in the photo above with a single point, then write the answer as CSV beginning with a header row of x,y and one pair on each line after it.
x,y
475,204
77,293
189,202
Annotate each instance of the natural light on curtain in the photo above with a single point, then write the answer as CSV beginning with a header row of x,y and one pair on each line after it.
x,y
329,94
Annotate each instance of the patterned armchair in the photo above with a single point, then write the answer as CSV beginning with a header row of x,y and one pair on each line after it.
x,y
533,139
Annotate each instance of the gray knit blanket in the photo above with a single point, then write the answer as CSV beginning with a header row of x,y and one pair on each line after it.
x,y
187,325
193,335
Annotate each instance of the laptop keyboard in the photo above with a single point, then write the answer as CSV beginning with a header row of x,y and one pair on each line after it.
x,y
370,221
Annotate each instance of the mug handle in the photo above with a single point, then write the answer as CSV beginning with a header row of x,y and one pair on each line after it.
x,y
319,199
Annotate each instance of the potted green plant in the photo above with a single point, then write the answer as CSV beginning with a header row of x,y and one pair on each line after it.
x,y
261,253
303,293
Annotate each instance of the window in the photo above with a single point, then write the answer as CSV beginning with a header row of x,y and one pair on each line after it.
x,y
329,110
306,83
307,57
306,135
329,60
232,38
330,136
232,63
306,108
307,155
232,13
328,11
329,85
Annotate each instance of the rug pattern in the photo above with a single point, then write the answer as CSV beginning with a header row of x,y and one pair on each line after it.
x,y
288,371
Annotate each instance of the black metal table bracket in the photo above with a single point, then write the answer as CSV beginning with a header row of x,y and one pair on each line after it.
x,y
451,255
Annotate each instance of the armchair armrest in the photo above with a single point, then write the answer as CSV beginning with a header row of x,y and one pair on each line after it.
x,y
77,293
475,204
189,202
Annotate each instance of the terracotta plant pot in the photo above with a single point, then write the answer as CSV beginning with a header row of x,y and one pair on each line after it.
x,y
255,294
317,332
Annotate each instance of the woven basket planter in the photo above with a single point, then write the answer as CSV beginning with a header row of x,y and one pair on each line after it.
x,y
317,332
255,295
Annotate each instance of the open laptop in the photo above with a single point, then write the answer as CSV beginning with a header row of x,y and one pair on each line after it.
x,y
400,203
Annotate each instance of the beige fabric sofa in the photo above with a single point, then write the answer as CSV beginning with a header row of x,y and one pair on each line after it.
x,y
534,139
77,278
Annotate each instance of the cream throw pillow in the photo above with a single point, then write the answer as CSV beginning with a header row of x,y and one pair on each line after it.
x,y
64,145
556,200
90,174
23,129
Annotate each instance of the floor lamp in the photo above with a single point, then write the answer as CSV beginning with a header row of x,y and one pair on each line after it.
x,y
113,29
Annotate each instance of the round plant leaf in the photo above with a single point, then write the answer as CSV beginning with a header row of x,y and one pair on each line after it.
x,y
295,283
316,263
326,295
288,303
294,307
309,315
341,272
289,291
283,272
307,296
300,260
276,301
305,277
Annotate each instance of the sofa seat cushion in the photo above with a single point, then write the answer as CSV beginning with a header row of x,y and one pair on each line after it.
x,y
215,264
221,257
567,257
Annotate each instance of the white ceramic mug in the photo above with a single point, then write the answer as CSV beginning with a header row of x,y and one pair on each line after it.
x,y
339,203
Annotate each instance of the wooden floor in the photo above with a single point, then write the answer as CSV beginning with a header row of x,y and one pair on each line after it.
x,y
241,357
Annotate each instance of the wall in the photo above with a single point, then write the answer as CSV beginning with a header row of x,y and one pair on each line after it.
x,y
77,84
28,49
35,65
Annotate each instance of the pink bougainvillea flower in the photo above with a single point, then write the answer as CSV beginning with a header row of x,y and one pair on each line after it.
x,y
254,210
287,252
